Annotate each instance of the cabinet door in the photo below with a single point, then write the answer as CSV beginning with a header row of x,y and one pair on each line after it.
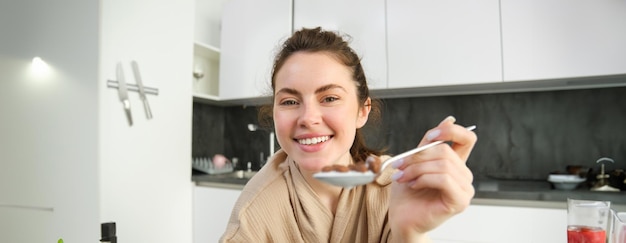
x,y
443,42
563,38
252,32
363,21
206,60
494,224
211,212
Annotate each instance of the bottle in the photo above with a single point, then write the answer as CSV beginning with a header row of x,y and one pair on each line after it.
x,y
107,232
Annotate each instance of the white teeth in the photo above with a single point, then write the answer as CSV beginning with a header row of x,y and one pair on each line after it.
x,y
316,140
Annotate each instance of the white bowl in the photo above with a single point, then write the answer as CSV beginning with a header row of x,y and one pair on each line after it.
x,y
565,182
565,185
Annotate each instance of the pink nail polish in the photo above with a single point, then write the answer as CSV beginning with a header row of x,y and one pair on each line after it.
x,y
396,164
433,134
397,175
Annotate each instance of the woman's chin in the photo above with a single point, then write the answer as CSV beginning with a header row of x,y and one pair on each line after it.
x,y
311,166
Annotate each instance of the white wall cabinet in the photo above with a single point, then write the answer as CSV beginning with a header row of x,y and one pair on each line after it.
x,y
211,211
563,38
438,43
363,21
496,224
435,45
205,71
206,60
69,159
252,32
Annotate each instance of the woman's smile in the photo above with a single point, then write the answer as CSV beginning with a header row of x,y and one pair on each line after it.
x,y
313,140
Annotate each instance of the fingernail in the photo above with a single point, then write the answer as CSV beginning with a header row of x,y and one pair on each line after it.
x,y
448,119
397,175
396,164
433,134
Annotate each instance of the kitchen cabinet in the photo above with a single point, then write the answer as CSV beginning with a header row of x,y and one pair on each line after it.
x,y
562,39
495,224
206,60
364,24
205,73
252,32
211,211
439,43
70,160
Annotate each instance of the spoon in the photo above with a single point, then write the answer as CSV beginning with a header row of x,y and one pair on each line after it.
x,y
355,178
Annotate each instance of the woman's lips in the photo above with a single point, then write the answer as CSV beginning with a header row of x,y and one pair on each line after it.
x,y
313,140
313,144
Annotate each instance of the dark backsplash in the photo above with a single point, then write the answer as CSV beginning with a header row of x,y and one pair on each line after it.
x,y
520,135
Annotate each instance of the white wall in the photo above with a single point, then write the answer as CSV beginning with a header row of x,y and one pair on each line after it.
x,y
145,170
48,124
68,159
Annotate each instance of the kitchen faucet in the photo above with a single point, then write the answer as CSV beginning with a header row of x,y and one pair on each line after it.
x,y
603,183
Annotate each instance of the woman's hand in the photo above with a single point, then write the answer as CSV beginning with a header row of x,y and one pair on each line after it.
x,y
432,185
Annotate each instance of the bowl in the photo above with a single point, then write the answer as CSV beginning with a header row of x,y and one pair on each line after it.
x,y
568,186
565,182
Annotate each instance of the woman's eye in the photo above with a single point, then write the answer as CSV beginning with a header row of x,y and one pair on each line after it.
x,y
330,99
288,102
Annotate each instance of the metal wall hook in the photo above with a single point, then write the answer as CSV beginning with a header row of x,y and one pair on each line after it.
x,y
123,87
133,87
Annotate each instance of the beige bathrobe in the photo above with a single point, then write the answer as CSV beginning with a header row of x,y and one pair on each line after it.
x,y
277,205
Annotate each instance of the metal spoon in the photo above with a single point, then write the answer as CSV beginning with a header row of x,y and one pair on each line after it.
x,y
354,178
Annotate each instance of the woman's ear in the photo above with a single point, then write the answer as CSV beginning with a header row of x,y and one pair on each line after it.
x,y
364,112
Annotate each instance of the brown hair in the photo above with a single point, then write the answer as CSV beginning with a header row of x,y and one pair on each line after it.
x,y
318,40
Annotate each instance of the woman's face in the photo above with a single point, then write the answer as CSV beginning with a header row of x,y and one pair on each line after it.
x,y
316,112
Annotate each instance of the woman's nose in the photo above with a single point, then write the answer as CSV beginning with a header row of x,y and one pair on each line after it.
x,y
310,114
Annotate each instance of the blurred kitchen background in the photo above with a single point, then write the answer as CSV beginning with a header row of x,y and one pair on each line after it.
x,y
544,81
524,135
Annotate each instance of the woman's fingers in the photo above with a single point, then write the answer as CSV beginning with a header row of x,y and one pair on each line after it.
x,y
440,152
462,140
439,167
436,182
447,160
459,175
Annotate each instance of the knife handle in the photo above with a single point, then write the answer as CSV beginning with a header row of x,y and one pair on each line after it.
x,y
129,116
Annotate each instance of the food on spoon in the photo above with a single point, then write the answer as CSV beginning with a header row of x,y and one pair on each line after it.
x,y
372,163
340,168
327,168
360,167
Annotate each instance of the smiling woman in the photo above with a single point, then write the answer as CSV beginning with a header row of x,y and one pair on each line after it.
x,y
314,100
321,101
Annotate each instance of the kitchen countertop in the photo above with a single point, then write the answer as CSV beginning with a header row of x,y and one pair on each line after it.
x,y
529,193
537,190
219,181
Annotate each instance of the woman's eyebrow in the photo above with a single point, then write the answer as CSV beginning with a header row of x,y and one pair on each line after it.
x,y
328,87
288,91
317,91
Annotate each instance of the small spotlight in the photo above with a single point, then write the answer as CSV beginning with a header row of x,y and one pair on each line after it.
x,y
39,67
